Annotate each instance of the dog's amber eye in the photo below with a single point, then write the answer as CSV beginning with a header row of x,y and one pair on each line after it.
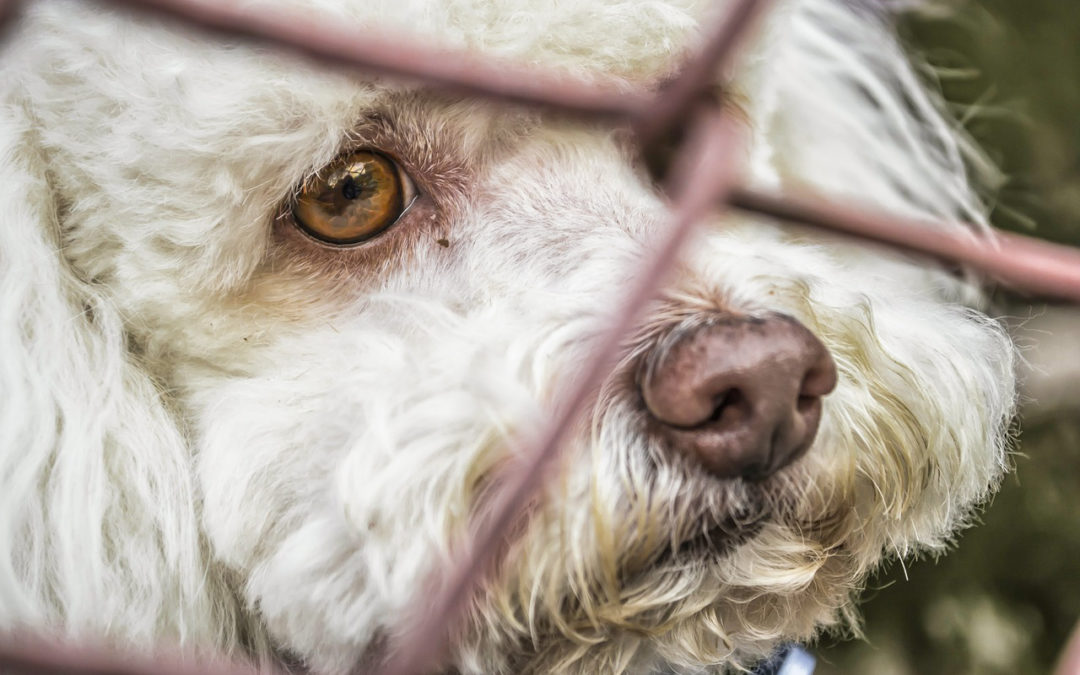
x,y
353,199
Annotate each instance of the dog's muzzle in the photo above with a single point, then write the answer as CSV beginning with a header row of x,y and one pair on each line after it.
x,y
741,394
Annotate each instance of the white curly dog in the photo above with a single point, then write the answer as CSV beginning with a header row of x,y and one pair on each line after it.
x,y
269,333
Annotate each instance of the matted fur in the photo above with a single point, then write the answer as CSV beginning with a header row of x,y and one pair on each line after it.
x,y
219,435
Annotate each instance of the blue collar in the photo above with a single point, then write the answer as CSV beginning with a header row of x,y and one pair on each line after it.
x,y
789,659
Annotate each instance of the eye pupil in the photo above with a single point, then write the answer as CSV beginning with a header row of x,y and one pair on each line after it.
x,y
351,189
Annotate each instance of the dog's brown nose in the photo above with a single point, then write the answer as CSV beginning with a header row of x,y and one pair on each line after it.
x,y
742,394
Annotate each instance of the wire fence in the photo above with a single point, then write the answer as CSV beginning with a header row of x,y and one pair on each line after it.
x,y
701,176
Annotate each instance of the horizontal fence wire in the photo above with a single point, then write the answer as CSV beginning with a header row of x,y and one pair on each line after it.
x,y
32,655
703,177
1024,264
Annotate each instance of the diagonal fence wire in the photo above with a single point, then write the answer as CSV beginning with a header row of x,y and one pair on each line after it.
x,y
704,176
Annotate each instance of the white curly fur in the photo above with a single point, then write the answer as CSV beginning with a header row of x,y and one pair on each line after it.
x,y
218,435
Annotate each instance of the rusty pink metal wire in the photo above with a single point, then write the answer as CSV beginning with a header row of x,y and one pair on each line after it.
x,y
396,55
704,176
697,78
9,9
1023,263
33,655
1069,662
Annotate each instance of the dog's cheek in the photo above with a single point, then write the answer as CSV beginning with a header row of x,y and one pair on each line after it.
x,y
257,463
338,476
269,456
955,402
915,433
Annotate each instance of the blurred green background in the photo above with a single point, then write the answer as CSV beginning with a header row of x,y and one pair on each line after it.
x,y
1006,600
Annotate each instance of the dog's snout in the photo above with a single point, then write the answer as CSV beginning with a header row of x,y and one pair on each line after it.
x,y
741,394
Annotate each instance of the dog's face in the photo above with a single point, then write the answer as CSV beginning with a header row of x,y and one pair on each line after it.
x,y
357,298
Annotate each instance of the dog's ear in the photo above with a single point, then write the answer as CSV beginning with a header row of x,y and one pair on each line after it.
x,y
842,111
98,522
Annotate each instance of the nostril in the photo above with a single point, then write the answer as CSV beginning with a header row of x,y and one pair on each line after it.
x,y
731,407
805,404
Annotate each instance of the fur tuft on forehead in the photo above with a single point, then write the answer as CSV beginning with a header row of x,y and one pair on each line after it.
x,y
636,41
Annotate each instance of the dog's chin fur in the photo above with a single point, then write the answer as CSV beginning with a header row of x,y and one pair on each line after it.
x,y
219,435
